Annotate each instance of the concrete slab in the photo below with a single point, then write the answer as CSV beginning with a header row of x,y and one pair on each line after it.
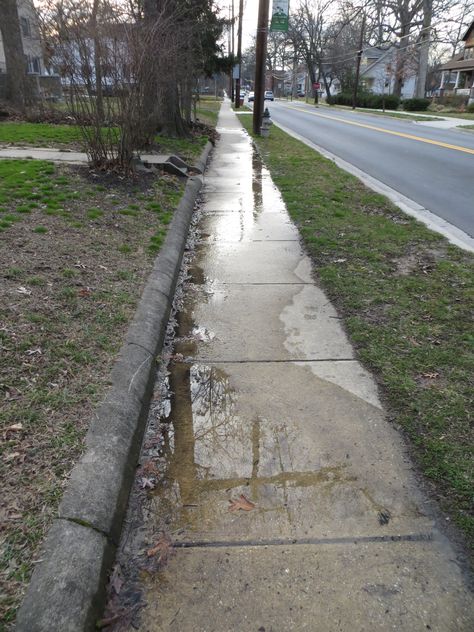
x,y
331,588
317,460
247,226
55,155
253,323
248,262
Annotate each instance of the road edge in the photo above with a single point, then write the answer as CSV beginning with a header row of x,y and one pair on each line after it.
x,y
454,235
67,588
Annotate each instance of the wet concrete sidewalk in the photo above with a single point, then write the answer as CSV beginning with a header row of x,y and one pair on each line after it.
x,y
270,403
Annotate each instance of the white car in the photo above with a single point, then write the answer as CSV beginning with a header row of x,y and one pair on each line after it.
x,y
268,96
251,97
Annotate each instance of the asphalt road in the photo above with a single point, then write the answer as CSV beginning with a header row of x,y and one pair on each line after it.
x,y
433,167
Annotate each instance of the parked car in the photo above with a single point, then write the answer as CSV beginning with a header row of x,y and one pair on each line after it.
x,y
251,96
268,96
300,93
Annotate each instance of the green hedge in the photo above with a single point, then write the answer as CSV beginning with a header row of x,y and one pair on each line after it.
x,y
416,104
368,100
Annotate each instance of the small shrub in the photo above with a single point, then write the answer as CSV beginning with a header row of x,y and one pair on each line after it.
x,y
40,229
416,105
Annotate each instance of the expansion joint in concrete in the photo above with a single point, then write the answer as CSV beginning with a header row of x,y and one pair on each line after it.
x,y
283,361
384,539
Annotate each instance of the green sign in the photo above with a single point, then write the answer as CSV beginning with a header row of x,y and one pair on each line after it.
x,y
280,15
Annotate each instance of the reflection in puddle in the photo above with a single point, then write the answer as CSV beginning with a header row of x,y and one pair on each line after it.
x,y
241,214
212,452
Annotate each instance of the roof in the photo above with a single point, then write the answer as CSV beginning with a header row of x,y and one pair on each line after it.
x,y
469,29
458,64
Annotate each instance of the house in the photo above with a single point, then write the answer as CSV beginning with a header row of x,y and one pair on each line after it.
x,y
377,71
46,83
462,66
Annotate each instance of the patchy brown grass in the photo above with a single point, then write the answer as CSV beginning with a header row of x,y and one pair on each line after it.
x,y
75,250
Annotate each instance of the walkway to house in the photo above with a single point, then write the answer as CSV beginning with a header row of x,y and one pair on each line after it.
x,y
292,497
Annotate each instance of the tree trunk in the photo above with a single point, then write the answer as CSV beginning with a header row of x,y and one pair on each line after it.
x,y
18,93
424,48
400,62
97,64
161,101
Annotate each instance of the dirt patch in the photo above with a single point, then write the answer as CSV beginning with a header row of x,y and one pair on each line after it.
x,y
419,259
76,249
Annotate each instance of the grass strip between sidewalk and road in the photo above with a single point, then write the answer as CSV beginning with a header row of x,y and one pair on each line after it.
x,y
406,296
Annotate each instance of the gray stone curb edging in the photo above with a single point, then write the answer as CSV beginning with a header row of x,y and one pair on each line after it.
x,y
203,158
67,589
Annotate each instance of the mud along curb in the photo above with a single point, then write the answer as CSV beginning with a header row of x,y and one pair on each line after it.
x,y
67,589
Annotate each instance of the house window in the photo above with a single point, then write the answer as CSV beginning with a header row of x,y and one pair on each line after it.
x,y
34,65
25,27
469,53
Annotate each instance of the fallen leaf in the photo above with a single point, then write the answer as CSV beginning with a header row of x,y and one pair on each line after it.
x,y
163,549
116,580
150,468
430,376
242,503
147,483
23,290
104,623
31,352
15,428
12,456
85,291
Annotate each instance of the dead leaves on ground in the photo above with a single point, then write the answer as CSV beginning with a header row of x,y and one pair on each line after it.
x,y
162,550
242,503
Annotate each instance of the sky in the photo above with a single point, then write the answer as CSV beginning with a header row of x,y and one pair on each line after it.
x,y
249,25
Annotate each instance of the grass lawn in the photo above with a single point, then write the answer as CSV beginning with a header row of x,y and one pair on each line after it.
x,y
39,134
399,115
389,113
188,148
469,127
469,116
208,110
75,251
407,299
51,135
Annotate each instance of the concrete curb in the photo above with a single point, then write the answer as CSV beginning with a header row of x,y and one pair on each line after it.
x,y
67,589
203,158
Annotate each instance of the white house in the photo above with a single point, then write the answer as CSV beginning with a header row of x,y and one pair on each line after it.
x,y
47,83
30,36
377,71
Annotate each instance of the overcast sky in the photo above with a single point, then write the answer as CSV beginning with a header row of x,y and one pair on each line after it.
x,y
250,19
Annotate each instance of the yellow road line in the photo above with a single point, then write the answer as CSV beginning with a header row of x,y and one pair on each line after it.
x,y
387,131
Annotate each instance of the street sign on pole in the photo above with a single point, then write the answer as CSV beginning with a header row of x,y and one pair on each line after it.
x,y
280,15
316,85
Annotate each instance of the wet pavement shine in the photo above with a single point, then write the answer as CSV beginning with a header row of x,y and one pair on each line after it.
x,y
269,403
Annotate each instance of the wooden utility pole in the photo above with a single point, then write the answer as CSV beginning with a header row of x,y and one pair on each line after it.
x,y
260,55
233,51
359,57
239,54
